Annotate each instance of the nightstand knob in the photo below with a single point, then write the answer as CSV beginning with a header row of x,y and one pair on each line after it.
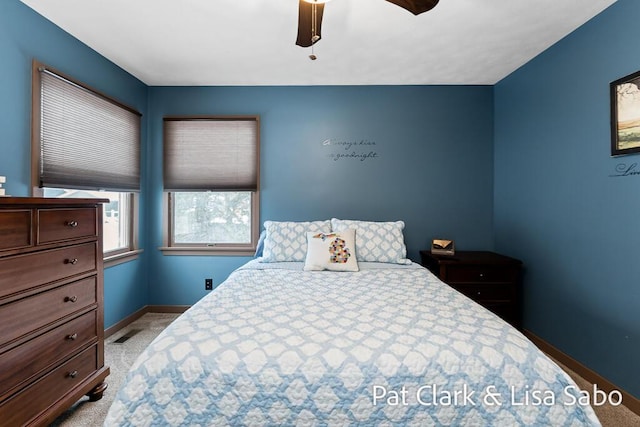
x,y
478,293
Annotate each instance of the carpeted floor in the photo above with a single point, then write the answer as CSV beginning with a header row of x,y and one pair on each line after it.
x,y
609,416
120,356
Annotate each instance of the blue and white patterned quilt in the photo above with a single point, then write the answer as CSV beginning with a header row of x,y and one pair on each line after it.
x,y
275,345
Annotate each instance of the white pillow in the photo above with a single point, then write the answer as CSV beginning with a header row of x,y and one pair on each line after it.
x,y
334,251
376,241
286,241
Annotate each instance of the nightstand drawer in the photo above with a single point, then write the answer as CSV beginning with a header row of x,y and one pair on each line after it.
x,y
480,274
506,311
486,292
488,278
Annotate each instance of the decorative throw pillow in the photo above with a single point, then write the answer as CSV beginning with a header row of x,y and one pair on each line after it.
x,y
287,241
376,241
333,251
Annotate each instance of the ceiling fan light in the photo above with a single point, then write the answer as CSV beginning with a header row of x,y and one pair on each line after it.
x,y
415,6
309,22
316,1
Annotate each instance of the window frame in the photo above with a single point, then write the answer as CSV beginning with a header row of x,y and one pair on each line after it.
x,y
169,247
113,257
122,255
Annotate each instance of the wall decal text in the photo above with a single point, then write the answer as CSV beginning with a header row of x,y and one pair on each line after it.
x,y
362,150
624,169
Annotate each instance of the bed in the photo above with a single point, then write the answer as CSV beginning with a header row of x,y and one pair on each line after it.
x,y
284,341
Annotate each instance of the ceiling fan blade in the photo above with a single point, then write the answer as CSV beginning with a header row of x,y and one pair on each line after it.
x,y
305,23
415,6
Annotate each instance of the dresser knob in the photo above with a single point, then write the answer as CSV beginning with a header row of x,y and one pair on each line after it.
x,y
72,261
72,374
71,299
72,337
72,224
478,293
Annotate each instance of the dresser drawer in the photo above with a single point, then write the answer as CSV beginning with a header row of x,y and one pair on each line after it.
x,y
15,229
480,274
28,404
486,292
21,272
28,314
64,224
48,349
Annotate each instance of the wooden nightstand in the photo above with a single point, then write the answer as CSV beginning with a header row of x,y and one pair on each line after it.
x,y
491,279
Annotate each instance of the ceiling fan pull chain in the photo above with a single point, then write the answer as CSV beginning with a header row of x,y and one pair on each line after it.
x,y
314,36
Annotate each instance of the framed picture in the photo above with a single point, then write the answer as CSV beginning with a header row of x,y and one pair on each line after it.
x,y
625,115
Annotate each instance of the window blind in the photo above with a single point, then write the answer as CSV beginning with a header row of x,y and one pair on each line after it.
x,y
86,140
216,154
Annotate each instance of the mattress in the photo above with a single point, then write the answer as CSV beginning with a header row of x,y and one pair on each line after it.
x,y
387,345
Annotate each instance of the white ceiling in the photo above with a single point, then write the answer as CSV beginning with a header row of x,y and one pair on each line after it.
x,y
364,42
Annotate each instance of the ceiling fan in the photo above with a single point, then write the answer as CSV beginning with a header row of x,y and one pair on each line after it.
x,y
310,17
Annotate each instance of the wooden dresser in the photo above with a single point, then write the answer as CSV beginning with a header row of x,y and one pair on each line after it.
x,y
51,313
490,279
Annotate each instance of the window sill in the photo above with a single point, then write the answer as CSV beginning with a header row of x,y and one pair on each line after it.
x,y
204,251
113,260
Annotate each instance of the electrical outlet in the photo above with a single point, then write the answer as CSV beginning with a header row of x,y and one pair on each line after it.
x,y
208,284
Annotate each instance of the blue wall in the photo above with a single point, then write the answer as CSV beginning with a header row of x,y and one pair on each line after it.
x,y
554,204
432,167
557,206
433,164
25,35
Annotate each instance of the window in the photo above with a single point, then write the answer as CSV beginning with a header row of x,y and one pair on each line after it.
x,y
212,217
87,145
211,180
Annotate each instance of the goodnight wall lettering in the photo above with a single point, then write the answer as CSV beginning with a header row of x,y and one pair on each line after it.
x,y
362,150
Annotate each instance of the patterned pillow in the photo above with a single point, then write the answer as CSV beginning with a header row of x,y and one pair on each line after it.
x,y
376,241
335,251
287,241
